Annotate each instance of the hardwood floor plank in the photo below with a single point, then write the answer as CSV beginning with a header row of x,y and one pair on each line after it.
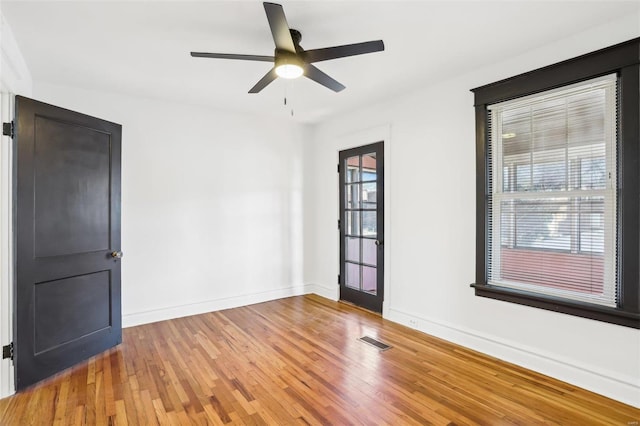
x,y
90,407
61,404
149,409
79,416
100,400
160,413
132,400
108,388
121,414
299,361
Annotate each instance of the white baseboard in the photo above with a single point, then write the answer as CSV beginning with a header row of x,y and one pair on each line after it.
x,y
170,312
609,384
328,293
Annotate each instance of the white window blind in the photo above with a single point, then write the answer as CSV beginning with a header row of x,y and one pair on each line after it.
x,y
552,218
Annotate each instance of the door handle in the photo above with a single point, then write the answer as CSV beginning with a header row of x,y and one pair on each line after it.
x,y
379,243
117,254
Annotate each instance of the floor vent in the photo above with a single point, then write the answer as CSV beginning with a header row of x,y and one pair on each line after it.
x,y
376,343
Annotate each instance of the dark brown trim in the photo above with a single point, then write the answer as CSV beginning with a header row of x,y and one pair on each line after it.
x,y
629,193
624,60
591,65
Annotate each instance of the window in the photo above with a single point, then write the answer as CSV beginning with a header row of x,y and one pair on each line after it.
x,y
553,206
557,187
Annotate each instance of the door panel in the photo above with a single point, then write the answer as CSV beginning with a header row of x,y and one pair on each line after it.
x,y
67,204
70,309
362,226
71,166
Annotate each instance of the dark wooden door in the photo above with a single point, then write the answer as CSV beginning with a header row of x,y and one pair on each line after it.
x,y
362,226
67,233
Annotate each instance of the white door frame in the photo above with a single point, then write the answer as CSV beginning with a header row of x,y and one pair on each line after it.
x,y
6,247
15,78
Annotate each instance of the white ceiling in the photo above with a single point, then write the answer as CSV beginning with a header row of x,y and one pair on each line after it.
x,y
142,48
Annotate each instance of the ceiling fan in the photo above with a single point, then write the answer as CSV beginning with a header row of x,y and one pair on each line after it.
x,y
291,60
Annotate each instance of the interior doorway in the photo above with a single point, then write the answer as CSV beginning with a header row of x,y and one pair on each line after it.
x,y
361,226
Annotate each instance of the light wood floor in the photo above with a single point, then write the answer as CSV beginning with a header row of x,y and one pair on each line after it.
x,y
298,361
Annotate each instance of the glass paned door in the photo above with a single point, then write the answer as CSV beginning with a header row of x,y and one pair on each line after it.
x,y
362,225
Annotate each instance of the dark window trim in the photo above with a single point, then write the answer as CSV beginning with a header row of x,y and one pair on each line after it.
x,y
624,60
601,62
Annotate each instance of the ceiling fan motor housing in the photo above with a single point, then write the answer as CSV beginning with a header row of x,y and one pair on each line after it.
x,y
283,57
290,64
297,37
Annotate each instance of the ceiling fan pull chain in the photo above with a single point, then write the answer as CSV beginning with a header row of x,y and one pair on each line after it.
x,y
288,87
285,94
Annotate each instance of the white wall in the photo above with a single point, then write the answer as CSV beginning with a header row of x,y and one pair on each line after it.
x,y
211,204
432,209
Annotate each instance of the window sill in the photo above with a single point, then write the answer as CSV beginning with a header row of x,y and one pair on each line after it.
x,y
585,310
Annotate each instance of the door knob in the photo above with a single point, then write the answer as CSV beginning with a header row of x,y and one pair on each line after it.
x,y
378,242
116,254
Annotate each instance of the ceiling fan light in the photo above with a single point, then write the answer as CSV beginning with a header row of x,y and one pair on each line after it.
x,y
289,71
288,65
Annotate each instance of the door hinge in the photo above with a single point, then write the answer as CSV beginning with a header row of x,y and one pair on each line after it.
x,y
7,351
338,168
338,278
338,223
8,129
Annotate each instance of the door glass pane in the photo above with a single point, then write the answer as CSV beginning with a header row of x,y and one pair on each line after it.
x,y
353,223
369,279
369,195
353,249
369,223
353,275
352,167
369,167
353,196
369,251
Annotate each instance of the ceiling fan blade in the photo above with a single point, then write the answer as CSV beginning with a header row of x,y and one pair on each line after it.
x,y
233,56
317,55
318,76
279,27
264,81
